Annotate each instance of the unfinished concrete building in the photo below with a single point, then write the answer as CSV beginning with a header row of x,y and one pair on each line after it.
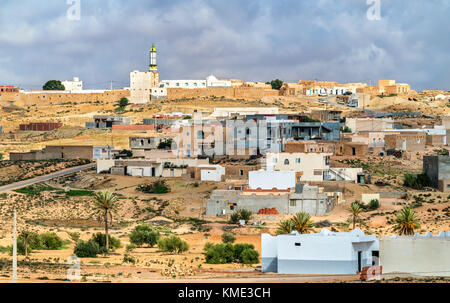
x,y
437,169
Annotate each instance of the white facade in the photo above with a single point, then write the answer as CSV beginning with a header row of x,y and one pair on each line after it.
x,y
191,84
140,87
158,93
214,174
75,84
311,166
423,255
319,253
268,180
212,81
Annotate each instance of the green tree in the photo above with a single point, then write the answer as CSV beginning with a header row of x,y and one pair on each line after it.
x,y
53,85
173,244
250,256
86,249
144,234
406,221
123,102
276,84
284,227
228,237
100,239
106,205
302,223
355,209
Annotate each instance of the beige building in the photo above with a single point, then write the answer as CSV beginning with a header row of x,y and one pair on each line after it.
x,y
369,124
141,84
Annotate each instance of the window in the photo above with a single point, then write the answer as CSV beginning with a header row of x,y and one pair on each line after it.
x,y
297,160
298,244
286,162
418,140
178,84
241,172
275,160
293,203
327,160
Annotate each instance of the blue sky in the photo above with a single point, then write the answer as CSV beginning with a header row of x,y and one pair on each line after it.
x,y
253,40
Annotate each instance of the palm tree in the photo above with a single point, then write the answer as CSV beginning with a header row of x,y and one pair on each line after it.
x,y
407,221
284,227
105,204
26,237
302,223
355,209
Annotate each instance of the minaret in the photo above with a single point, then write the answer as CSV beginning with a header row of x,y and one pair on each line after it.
x,y
153,67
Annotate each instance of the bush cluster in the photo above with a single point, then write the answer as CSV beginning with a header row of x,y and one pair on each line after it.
x,y
157,187
417,181
144,234
45,241
228,253
96,245
242,214
173,244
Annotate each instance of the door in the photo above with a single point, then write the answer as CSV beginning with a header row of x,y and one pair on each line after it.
x,y
153,171
375,257
359,260
404,144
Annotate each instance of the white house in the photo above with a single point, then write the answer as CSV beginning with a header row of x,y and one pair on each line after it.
x,y
75,84
211,173
191,84
319,253
268,180
212,81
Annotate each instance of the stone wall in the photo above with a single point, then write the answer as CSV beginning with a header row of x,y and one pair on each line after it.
x,y
235,93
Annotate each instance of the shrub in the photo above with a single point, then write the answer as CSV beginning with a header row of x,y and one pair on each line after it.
x,y
417,181
173,244
130,247
242,214
220,254
100,239
129,259
157,187
144,234
249,256
228,237
75,236
227,253
51,241
346,129
234,218
239,248
245,214
374,204
88,249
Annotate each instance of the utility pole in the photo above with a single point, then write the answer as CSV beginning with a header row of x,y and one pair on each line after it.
x,y
111,85
14,264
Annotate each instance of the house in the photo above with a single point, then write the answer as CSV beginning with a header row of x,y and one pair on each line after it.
x,y
326,115
106,121
66,152
319,253
369,124
303,197
73,85
326,131
422,255
405,141
437,168
206,172
310,146
310,167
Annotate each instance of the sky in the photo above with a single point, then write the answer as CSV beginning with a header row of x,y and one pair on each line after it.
x,y
252,40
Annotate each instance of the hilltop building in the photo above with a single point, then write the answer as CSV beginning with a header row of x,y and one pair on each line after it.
x,y
73,85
